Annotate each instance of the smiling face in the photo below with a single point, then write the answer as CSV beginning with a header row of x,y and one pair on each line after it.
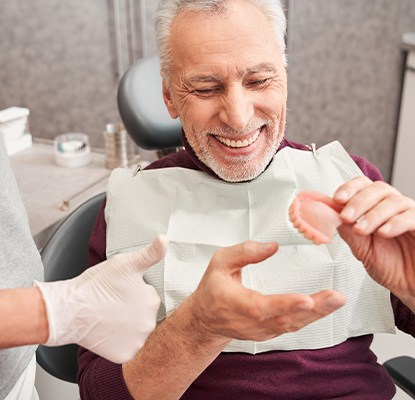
x,y
228,86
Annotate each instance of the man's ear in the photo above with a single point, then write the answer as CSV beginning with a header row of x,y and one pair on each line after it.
x,y
283,121
169,102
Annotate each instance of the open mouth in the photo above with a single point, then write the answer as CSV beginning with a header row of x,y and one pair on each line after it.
x,y
240,143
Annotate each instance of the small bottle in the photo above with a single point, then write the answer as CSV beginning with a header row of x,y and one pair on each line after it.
x,y
116,147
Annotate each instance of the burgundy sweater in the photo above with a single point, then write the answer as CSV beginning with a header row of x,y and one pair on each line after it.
x,y
346,371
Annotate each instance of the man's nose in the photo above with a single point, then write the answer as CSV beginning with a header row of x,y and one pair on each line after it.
x,y
237,108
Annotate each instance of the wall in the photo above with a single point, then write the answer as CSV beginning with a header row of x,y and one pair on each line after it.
x,y
58,60
345,68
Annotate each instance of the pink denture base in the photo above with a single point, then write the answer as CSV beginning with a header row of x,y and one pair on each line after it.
x,y
315,215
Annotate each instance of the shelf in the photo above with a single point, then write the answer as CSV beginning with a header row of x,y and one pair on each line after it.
x,y
44,186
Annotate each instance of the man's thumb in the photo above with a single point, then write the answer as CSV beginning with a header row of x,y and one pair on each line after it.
x,y
234,258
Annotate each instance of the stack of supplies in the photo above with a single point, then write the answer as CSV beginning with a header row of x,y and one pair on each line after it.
x,y
14,127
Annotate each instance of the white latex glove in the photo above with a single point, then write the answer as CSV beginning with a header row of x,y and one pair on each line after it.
x,y
108,309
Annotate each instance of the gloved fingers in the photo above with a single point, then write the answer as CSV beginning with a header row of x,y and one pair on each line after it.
x,y
151,254
121,330
149,297
79,307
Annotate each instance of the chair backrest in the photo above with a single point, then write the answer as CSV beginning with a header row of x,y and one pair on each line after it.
x,y
142,109
65,256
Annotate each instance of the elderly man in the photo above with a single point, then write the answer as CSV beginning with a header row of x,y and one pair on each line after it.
x,y
228,330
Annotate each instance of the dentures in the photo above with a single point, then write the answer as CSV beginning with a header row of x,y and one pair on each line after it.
x,y
316,216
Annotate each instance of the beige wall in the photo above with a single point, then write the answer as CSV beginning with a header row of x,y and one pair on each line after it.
x,y
345,73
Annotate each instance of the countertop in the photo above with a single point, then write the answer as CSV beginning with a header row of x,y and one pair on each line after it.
x,y
44,186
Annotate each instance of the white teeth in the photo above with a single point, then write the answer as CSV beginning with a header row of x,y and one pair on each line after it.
x,y
239,143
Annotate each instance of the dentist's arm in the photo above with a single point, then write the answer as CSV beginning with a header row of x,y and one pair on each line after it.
x,y
108,309
23,317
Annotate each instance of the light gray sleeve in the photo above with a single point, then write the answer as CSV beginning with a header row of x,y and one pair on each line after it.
x,y
20,264
20,261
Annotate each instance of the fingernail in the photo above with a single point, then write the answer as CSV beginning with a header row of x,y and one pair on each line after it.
x,y
362,223
385,229
334,301
348,212
341,195
267,246
303,306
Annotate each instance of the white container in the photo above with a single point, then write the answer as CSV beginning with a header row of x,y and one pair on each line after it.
x,y
72,150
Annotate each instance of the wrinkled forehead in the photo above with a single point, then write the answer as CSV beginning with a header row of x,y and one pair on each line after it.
x,y
241,31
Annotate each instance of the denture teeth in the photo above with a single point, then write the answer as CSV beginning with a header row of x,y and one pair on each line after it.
x,y
239,143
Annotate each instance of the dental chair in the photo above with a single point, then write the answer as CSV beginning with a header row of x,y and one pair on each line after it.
x,y
64,256
142,109
402,371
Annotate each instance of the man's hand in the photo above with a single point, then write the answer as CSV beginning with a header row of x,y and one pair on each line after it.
x,y
108,309
222,309
379,226
219,310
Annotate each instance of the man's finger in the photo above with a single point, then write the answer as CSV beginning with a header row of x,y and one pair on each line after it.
x,y
322,302
346,191
233,258
271,306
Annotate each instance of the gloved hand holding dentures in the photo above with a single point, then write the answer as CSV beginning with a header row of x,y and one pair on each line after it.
x,y
376,221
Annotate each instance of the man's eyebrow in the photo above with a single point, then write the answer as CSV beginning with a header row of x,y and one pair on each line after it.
x,y
263,67
202,78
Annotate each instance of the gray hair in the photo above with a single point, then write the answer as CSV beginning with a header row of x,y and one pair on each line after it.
x,y
168,10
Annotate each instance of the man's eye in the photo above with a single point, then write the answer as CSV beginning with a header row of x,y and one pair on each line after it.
x,y
207,91
258,82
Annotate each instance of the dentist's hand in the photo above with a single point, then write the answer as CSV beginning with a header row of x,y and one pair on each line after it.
x,y
108,309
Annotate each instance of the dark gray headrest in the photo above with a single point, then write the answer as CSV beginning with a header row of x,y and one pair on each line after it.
x,y
142,108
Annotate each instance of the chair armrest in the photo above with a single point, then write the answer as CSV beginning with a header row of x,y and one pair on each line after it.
x,y
402,371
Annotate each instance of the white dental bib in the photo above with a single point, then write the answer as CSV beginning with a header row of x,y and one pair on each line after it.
x,y
200,213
